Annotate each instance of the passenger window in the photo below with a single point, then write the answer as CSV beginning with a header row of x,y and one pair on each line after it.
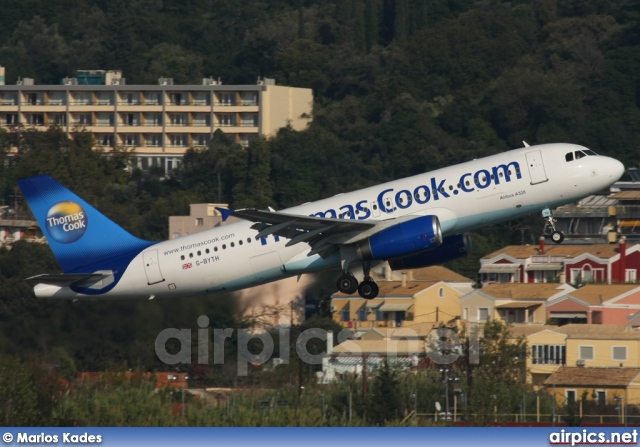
x,y
182,258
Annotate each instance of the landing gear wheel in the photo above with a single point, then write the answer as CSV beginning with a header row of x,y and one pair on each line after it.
x,y
557,237
368,289
347,284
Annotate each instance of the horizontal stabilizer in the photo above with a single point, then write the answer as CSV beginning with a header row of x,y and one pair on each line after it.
x,y
67,280
225,212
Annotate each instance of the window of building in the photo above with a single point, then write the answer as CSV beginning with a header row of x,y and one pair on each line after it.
x,y
81,98
153,119
630,275
35,119
575,275
619,353
82,119
201,119
227,119
441,292
33,99
8,99
9,119
130,119
227,99
344,314
548,354
601,397
465,313
130,98
571,396
153,140
153,98
586,353
587,274
201,98
178,119
249,119
483,314
56,98
199,221
249,98
104,98
58,119
179,140
104,119
178,99
362,314
201,139
105,139
131,140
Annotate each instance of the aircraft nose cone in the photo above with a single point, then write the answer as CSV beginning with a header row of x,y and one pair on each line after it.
x,y
616,169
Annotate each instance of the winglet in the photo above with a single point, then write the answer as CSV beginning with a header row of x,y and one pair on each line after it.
x,y
226,212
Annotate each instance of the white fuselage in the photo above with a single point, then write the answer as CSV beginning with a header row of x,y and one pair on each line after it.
x,y
466,196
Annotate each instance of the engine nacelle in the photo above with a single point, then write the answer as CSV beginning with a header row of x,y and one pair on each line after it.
x,y
406,238
453,247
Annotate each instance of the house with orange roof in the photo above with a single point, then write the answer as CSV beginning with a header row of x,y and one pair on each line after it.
x,y
408,301
603,385
596,304
577,345
576,264
511,302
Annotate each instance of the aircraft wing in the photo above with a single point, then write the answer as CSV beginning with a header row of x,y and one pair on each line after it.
x,y
323,234
66,280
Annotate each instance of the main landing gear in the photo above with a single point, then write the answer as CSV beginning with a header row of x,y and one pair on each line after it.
x,y
368,289
550,227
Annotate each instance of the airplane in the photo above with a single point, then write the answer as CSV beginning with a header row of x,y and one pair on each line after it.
x,y
410,223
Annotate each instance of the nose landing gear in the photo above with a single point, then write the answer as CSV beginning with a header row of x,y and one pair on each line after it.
x,y
550,227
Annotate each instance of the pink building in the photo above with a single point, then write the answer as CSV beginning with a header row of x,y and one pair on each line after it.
x,y
596,304
576,264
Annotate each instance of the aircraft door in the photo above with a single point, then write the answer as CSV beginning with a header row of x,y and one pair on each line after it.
x,y
152,267
536,167
375,211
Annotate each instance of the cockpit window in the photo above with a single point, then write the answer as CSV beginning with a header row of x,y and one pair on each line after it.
x,y
578,154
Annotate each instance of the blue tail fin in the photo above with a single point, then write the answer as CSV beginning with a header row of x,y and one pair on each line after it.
x,y
82,238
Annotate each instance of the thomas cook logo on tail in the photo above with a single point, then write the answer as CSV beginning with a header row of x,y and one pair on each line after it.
x,y
66,222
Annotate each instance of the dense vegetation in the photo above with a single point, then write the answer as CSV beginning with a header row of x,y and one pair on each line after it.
x,y
401,87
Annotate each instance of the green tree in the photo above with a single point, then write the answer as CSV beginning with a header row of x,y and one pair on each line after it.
x,y
384,405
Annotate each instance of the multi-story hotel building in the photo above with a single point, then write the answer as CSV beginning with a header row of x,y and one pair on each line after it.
x,y
157,122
